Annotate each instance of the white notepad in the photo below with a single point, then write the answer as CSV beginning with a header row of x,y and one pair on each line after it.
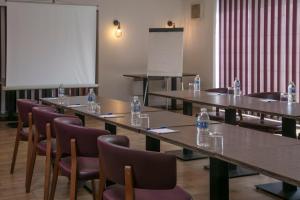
x,y
268,100
111,116
162,130
75,106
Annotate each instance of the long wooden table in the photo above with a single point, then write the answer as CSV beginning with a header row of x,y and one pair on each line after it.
x,y
145,78
289,112
259,151
256,150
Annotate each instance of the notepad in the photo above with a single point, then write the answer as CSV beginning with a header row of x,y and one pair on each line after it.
x,y
111,116
215,93
268,100
162,130
75,105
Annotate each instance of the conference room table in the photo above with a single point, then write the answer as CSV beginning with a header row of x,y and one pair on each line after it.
x,y
145,78
289,112
256,150
116,113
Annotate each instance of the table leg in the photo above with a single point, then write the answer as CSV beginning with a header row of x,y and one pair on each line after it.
x,y
173,87
81,117
281,189
152,144
145,91
234,170
111,128
186,154
219,182
11,97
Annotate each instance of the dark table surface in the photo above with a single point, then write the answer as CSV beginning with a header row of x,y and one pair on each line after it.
x,y
268,154
141,76
107,105
284,109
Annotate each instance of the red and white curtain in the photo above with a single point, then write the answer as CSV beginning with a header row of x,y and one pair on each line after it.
x,y
259,43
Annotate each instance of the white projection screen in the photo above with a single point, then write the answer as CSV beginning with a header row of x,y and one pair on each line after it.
x,y
49,44
165,52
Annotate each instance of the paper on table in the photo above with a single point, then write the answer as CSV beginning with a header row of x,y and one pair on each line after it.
x,y
162,130
215,93
268,100
110,116
75,105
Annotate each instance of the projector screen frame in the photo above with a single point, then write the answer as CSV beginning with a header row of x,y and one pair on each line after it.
x,y
28,87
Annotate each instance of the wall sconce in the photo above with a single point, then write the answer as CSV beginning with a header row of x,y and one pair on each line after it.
x,y
118,30
171,24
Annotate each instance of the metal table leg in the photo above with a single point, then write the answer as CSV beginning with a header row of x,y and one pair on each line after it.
x,y
145,91
82,117
187,154
219,182
234,170
281,189
111,128
173,87
152,144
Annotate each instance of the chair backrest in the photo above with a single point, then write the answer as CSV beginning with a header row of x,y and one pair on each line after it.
x,y
218,90
151,170
25,107
266,95
68,128
42,116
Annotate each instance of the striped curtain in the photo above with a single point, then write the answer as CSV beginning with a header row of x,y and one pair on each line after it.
x,y
259,43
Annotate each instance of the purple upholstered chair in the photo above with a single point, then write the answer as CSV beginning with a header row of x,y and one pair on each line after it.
x,y
77,153
140,175
24,107
43,120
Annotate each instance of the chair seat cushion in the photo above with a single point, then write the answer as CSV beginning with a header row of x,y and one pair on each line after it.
x,y
116,192
42,147
87,167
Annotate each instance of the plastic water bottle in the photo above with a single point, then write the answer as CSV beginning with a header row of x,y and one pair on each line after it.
x,y
237,87
136,109
197,81
291,92
61,93
91,98
202,128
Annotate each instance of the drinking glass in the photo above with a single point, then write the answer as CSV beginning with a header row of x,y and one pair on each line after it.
x,y
283,96
230,90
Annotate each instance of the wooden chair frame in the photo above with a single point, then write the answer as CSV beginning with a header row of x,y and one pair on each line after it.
x,y
74,172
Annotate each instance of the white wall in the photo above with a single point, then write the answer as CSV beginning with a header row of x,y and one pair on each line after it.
x,y
199,41
128,54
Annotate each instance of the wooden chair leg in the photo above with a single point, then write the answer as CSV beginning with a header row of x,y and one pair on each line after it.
x,y
29,147
30,170
13,162
94,190
16,148
54,180
48,163
73,190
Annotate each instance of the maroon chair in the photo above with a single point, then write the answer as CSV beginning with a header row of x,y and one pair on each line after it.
x,y
76,154
24,124
43,121
217,116
261,123
140,175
